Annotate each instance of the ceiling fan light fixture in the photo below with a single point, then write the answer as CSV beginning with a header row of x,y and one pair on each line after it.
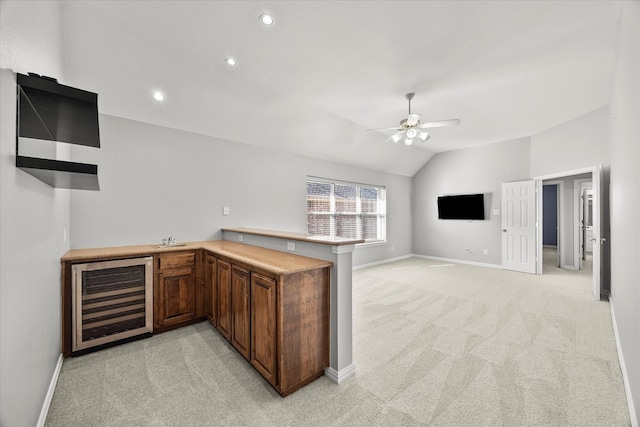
x,y
397,137
411,133
424,136
408,141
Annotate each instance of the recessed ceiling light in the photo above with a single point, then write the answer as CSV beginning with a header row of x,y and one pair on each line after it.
x,y
158,96
231,61
266,19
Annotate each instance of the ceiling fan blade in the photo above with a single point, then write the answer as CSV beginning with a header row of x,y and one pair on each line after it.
x,y
395,128
440,123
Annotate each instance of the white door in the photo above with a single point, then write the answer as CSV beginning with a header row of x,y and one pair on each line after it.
x,y
519,226
597,237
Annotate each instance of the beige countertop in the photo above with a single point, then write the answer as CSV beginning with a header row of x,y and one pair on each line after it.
x,y
301,237
270,260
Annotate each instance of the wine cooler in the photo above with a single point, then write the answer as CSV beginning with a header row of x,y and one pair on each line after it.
x,y
112,300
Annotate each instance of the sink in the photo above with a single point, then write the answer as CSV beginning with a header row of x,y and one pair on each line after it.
x,y
172,245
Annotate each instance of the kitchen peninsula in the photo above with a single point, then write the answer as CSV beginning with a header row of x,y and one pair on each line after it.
x,y
339,252
273,306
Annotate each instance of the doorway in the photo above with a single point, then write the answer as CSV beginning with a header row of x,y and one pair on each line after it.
x,y
552,194
575,213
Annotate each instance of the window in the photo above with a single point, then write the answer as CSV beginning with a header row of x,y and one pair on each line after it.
x,y
343,210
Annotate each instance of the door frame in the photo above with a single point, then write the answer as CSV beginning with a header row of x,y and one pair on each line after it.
x,y
596,177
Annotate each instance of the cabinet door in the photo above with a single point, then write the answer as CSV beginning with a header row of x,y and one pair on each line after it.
x,y
263,326
223,270
211,291
177,296
240,322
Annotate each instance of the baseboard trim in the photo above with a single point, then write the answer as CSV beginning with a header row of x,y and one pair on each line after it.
x,y
625,378
459,261
49,395
453,260
342,375
384,261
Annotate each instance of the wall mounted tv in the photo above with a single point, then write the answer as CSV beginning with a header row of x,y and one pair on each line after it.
x,y
466,206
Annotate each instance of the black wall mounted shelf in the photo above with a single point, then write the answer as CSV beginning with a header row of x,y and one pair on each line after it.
x,y
48,110
61,174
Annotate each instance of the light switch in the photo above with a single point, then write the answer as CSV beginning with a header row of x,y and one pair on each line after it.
x,y
225,210
496,211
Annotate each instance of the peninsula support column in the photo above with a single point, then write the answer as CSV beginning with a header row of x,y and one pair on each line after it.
x,y
341,365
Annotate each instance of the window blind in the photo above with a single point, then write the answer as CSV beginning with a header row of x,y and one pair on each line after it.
x,y
337,209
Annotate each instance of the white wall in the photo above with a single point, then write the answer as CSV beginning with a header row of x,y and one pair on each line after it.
x,y
625,197
579,143
156,182
33,217
474,170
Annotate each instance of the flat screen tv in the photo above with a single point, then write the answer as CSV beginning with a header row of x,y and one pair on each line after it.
x,y
466,206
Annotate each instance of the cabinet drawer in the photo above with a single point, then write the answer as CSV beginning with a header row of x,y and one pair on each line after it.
x,y
180,259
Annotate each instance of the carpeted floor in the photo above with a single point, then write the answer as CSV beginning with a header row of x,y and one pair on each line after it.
x,y
435,344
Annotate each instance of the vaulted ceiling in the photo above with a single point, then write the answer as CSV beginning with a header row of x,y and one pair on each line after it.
x,y
326,71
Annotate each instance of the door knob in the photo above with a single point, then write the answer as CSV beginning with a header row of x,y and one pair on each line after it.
x,y
504,230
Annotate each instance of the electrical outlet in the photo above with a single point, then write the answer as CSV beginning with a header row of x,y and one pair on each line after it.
x,y
486,251
240,238
496,212
225,210
468,250
291,246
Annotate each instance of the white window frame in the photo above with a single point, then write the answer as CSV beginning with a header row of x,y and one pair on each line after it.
x,y
381,213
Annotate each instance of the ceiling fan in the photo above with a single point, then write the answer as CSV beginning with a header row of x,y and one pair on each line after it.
x,y
411,128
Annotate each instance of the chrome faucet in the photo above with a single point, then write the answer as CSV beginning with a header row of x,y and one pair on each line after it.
x,y
171,241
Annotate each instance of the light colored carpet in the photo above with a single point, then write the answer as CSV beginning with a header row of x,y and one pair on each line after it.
x,y
434,344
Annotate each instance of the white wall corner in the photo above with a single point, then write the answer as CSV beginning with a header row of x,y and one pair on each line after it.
x,y
49,396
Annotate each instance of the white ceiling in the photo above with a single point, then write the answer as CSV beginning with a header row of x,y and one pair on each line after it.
x,y
328,70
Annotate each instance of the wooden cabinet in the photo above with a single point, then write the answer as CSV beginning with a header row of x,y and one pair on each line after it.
x,y
174,290
302,334
233,305
223,271
263,326
240,320
210,295
279,321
